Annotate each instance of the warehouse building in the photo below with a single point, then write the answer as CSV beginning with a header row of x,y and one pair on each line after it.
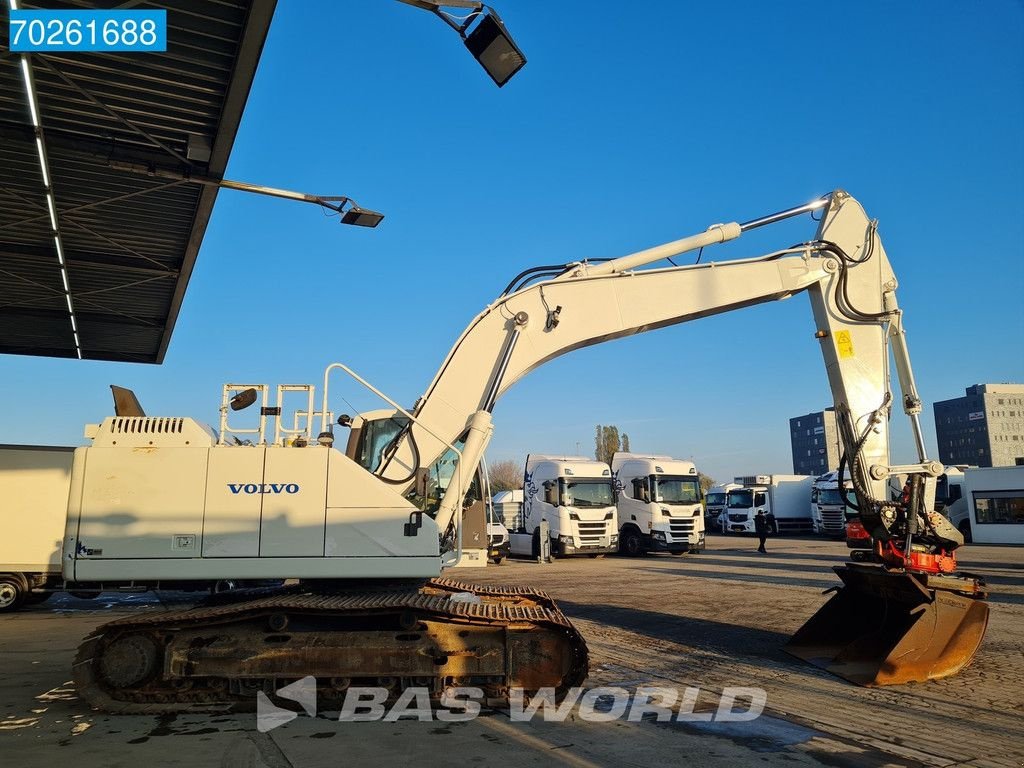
x,y
815,442
985,427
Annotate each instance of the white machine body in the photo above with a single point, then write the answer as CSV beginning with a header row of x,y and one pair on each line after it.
x,y
153,493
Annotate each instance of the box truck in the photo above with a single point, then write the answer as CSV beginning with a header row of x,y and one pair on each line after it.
x,y
658,504
34,484
786,497
986,504
575,496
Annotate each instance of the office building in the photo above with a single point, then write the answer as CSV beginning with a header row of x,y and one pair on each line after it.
x,y
984,428
815,442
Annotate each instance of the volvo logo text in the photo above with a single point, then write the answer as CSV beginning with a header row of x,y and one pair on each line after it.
x,y
237,488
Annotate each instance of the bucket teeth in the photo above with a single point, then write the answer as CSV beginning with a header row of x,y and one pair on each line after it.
x,y
891,627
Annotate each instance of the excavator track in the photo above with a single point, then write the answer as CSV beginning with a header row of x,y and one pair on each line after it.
x,y
437,635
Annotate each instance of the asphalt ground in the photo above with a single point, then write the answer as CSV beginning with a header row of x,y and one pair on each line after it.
x,y
706,622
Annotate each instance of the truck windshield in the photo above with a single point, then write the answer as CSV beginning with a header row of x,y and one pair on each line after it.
x,y
676,490
830,496
741,499
587,493
715,499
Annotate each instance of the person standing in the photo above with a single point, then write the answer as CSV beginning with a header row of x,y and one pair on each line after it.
x,y
761,527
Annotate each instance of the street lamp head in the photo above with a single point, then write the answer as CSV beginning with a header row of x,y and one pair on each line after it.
x,y
361,217
492,46
489,41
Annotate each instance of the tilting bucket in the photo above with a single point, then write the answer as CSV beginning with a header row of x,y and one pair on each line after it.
x,y
887,628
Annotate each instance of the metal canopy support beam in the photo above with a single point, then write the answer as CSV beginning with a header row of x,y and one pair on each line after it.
x,y
51,204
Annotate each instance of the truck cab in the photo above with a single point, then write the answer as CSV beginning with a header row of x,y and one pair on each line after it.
x,y
785,499
659,504
715,503
576,497
828,507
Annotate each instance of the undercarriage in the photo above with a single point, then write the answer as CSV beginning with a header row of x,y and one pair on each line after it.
x,y
438,635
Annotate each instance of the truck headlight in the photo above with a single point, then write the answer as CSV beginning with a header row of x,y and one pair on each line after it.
x,y
565,539
615,538
658,535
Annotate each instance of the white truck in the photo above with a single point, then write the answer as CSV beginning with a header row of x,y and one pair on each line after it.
x,y
34,485
786,497
828,505
576,497
658,504
986,504
715,503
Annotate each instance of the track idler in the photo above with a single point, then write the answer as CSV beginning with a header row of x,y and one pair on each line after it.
x,y
885,627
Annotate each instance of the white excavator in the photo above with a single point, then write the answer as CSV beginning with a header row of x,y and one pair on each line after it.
x,y
368,532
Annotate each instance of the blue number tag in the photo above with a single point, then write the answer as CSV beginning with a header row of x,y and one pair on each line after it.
x,y
72,31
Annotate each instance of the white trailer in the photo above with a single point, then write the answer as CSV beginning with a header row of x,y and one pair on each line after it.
x,y
715,503
658,504
34,485
575,496
986,504
508,508
786,497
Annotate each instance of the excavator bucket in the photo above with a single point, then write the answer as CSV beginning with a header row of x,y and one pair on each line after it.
x,y
886,628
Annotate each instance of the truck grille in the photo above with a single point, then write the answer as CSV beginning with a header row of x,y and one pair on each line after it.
x,y
591,534
681,528
833,520
738,517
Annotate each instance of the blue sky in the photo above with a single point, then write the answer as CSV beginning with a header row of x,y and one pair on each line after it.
x,y
626,129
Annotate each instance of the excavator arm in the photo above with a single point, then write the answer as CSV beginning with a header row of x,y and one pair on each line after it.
x,y
851,285
906,616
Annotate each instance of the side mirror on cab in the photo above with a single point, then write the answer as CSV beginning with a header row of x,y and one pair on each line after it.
x,y
551,493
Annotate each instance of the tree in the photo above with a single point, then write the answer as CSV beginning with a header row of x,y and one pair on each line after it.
x,y
705,482
506,475
607,441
